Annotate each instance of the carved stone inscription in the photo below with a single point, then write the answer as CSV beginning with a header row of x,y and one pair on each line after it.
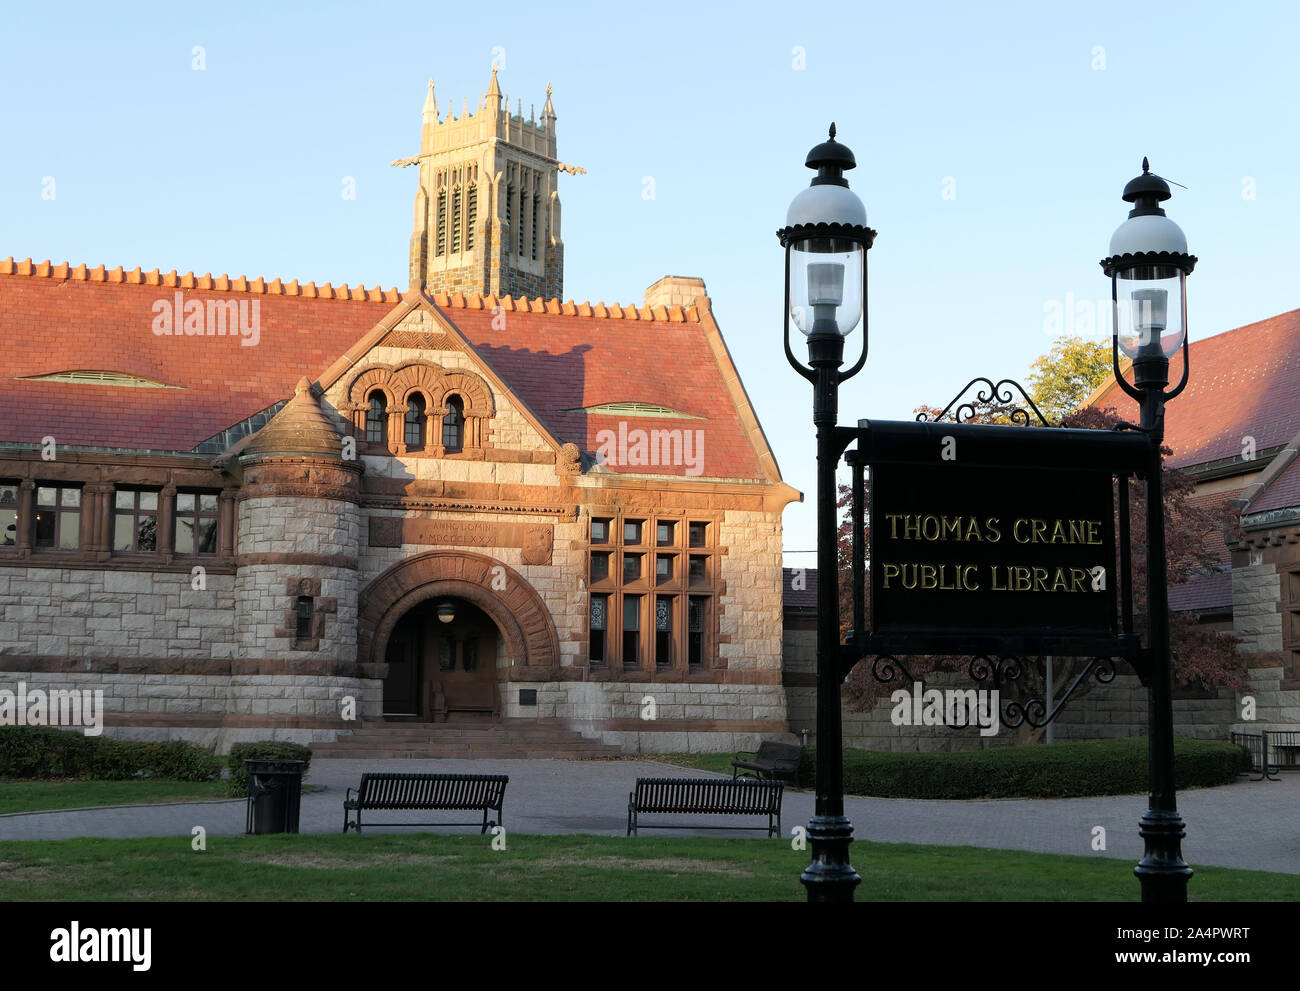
x,y
536,540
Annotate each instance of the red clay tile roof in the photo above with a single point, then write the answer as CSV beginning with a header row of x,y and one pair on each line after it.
x,y
1207,592
1243,383
1282,493
558,357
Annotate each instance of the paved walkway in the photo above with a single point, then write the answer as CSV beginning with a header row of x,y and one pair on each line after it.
x,y
1254,825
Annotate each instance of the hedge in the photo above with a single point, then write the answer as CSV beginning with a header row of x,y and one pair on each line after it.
x,y
42,752
265,750
1056,770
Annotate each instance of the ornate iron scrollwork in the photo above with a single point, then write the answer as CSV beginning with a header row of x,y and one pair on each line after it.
x,y
885,669
1000,671
999,393
1034,710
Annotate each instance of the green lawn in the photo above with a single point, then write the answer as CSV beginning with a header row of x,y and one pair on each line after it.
x,y
422,866
32,796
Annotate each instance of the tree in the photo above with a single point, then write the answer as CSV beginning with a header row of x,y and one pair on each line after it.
x,y
1201,657
1062,379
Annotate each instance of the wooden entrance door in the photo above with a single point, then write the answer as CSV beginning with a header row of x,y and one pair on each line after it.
x,y
402,695
460,660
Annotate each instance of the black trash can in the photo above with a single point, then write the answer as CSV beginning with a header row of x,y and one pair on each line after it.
x,y
274,795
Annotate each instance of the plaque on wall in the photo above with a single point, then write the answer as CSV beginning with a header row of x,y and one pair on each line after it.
x,y
535,540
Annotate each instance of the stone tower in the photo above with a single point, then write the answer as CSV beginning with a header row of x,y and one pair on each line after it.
x,y
487,210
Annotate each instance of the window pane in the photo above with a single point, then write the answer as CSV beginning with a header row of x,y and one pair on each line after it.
x,y
184,502
149,500
446,657
70,531
70,497
469,654
664,533
207,536
8,527
696,616
664,567
599,567
123,528
632,612
124,500
184,536
664,612
147,533
208,503
631,567
699,534
46,496
45,528
697,574
599,531
632,531
599,611
8,495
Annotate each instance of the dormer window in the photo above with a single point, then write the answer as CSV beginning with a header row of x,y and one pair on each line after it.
x,y
453,425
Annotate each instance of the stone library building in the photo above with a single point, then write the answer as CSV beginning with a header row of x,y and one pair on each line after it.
x,y
238,506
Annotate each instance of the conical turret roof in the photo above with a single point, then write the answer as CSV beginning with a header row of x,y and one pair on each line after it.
x,y
300,428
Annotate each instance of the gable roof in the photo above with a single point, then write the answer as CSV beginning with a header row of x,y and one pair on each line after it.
x,y
558,358
1242,383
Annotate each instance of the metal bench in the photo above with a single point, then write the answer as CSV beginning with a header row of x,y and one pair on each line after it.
x,y
438,792
1270,751
773,760
744,796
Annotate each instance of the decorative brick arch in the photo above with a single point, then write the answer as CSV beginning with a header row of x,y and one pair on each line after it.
x,y
517,610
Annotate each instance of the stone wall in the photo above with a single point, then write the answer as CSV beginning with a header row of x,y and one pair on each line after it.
x,y
687,717
216,710
71,612
321,528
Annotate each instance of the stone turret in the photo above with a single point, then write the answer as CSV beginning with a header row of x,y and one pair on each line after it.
x,y
300,521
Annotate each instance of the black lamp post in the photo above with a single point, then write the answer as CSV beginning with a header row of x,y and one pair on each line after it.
x,y
826,238
1148,264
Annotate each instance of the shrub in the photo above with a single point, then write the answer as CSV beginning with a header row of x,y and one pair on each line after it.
x,y
264,750
44,752
1057,770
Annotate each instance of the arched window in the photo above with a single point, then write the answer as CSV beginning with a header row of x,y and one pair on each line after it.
x,y
415,421
376,421
453,425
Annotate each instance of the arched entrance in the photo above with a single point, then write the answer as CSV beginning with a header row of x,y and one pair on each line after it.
x,y
442,659
487,593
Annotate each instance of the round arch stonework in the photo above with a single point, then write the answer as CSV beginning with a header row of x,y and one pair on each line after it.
x,y
517,610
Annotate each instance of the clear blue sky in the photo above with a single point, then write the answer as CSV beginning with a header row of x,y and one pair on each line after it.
x,y
239,168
